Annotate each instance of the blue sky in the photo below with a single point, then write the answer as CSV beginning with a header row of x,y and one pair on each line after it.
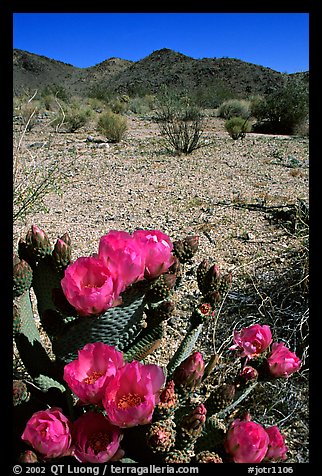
x,y
276,40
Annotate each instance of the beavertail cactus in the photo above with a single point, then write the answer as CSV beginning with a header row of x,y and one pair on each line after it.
x,y
97,386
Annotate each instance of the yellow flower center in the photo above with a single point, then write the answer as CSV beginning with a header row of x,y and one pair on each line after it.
x,y
93,377
98,441
129,400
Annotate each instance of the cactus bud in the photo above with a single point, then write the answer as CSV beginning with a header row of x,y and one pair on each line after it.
x,y
211,280
38,242
161,288
66,238
20,392
220,398
161,436
28,456
186,248
190,372
61,254
225,283
168,401
22,276
201,274
194,422
160,313
208,457
247,375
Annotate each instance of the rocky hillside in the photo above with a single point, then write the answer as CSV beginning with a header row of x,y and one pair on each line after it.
x,y
225,76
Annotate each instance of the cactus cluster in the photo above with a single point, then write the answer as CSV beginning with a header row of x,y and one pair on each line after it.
x,y
187,423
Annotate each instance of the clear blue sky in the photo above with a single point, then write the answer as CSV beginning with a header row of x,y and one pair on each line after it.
x,y
276,40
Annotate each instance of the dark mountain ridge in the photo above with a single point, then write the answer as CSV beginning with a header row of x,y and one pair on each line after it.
x,y
230,76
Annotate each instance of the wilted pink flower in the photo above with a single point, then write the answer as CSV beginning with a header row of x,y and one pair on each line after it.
x,y
190,372
276,445
130,397
157,248
88,375
246,441
253,340
49,433
95,439
90,287
282,362
123,255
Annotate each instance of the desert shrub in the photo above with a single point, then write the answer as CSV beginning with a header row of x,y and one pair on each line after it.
x,y
237,127
283,110
71,117
180,122
112,125
55,90
234,108
142,104
118,105
29,114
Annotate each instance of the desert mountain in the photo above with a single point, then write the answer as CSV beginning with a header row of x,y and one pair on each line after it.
x,y
226,76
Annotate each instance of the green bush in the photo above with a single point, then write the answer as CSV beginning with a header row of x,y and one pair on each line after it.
x,y
71,117
180,122
29,114
283,110
112,126
234,108
237,127
142,104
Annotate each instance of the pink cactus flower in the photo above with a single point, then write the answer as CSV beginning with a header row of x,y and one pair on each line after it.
x,y
276,445
131,396
90,287
49,433
252,341
88,375
123,256
157,248
190,372
95,439
282,362
246,441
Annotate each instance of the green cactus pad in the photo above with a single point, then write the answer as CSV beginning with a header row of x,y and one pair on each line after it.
x,y
185,348
118,327
145,344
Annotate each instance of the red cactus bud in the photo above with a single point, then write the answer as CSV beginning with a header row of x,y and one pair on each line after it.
x,y
161,436
38,242
194,422
168,396
190,372
201,273
192,243
247,374
22,276
186,248
61,254
66,238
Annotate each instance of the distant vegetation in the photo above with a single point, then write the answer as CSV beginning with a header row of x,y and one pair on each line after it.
x,y
273,102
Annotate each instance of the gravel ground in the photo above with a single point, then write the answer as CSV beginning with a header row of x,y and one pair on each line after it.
x,y
138,184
